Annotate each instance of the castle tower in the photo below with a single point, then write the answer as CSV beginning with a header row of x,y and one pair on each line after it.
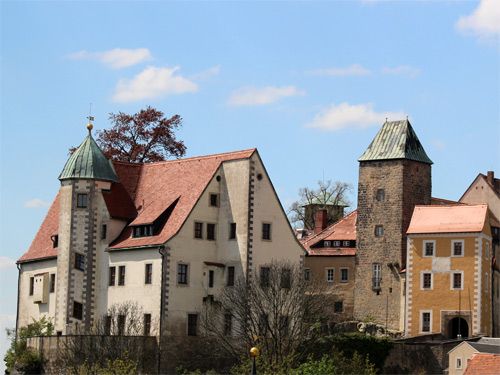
x,y
394,176
86,173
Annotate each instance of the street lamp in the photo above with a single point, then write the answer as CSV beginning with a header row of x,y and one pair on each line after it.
x,y
254,353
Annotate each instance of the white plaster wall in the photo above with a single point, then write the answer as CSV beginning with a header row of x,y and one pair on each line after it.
x,y
29,310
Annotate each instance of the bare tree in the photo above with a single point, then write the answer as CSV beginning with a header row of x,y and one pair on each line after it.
x,y
332,196
278,312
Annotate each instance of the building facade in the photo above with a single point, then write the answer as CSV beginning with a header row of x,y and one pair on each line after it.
x,y
449,272
394,176
163,236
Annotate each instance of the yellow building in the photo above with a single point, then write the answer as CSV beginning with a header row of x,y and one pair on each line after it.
x,y
449,271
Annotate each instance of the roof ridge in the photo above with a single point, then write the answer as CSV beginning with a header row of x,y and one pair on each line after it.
x,y
329,227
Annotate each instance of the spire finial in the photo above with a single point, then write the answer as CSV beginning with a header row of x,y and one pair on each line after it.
x,y
90,126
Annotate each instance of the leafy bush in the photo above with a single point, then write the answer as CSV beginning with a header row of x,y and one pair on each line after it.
x,y
335,365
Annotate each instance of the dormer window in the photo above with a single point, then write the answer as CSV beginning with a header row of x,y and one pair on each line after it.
x,y
327,244
142,231
336,243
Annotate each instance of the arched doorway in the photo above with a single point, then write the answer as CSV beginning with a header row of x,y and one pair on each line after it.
x,y
458,328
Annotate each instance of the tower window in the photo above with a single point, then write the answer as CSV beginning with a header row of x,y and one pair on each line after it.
x,y
380,195
104,230
82,200
79,262
379,230
376,276
77,310
266,231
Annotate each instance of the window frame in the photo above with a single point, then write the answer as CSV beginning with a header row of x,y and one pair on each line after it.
x,y
231,272
104,231
380,195
336,243
421,327
458,363
346,243
182,277
121,323
327,243
266,231
52,283
122,275
378,231
147,324
422,280
77,310
112,276
232,231
189,324
307,274
327,275
79,261
198,230
461,255
424,248
82,200
336,304
342,280
452,279
211,278
32,286
376,276
211,232
210,197
148,273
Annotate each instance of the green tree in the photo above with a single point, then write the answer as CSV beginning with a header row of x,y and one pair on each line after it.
x,y
19,356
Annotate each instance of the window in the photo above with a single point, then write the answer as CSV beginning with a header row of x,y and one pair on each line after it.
x,y
77,310
211,232
228,324
142,231
232,231
79,262
104,231
82,200
148,273
336,243
380,195
425,321
107,325
338,306
330,275
457,248
121,324
346,243
266,231
429,248
210,278
32,285
52,287
112,276
214,200
344,275
426,280
147,324
456,280
55,241
230,276
376,275
192,324
307,274
458,363
327,244
286,279
379,230
121,275
198,229
264,276
182,274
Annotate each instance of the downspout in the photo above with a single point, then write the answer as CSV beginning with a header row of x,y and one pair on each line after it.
x,y
163,252
18,293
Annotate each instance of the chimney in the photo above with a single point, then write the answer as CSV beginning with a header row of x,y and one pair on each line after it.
x,y
491,178
320,220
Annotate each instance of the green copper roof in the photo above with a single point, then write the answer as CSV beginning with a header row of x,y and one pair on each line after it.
x,y
88,162
396,140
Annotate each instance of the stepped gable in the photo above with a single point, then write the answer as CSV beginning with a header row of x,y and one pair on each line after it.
x,y
396,140
42,246
344,229
165,184
448,219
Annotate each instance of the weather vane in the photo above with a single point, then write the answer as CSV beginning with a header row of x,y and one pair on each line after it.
x,y
90,126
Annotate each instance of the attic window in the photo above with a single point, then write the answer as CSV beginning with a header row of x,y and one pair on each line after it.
x,y
55,241
142,231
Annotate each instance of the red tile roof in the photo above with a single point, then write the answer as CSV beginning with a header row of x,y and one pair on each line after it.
x,y
144,192
448,219
344,229
42,246
483,364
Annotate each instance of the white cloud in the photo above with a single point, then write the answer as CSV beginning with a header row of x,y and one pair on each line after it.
x,y
352,70
345,115
207,73
249,96
402,70
153,82
484,21
116,58
36,203
6,263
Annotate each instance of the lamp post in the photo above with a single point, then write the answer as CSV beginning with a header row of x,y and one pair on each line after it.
x,y
254,353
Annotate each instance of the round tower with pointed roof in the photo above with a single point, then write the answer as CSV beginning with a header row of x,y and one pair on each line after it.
x,y
394,176
85,175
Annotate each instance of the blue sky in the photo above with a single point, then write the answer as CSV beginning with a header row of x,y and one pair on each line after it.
x,y
307,83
